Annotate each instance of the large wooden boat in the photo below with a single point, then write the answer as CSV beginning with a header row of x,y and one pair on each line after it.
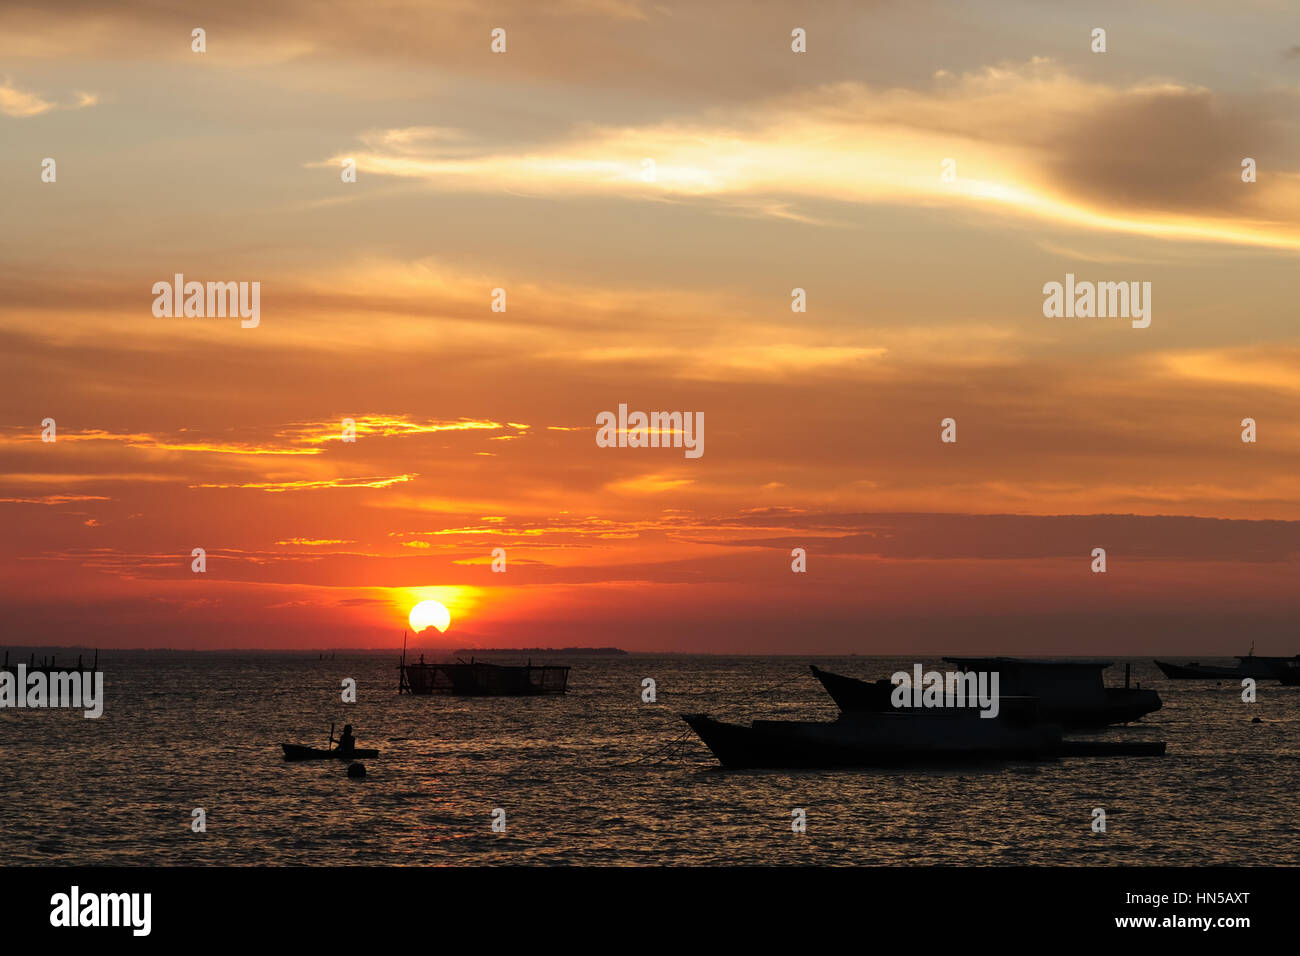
x,y
872,732
867,739
874,739
1069,693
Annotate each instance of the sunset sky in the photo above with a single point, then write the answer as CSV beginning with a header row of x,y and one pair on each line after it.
x,y
774,170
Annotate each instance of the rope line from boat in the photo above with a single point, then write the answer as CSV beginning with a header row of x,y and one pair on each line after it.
x,y
681,739
676,752
776,686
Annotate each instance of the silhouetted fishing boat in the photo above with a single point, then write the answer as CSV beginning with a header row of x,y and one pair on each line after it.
x,y
1284,669
1069,693
1195,671
875,739
868,739
878,733
299,752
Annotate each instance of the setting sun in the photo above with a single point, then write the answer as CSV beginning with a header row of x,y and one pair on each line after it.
x,y
430,614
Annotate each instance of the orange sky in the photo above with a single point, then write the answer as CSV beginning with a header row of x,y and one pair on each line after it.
x,y
772,171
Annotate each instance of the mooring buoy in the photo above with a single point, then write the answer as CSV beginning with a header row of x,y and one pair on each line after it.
x,y
356,770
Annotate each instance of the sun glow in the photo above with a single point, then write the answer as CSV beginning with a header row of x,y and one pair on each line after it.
x,y
460,601
430,614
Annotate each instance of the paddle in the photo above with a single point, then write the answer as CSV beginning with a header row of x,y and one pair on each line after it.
x,y
330,745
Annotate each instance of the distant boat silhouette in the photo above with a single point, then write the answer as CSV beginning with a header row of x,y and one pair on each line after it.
x,y
1284,669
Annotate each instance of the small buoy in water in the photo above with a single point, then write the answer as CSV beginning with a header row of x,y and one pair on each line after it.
x,y
1256,720
356,770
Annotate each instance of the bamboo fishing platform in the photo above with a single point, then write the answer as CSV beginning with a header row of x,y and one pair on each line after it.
x,y
48,665
482,679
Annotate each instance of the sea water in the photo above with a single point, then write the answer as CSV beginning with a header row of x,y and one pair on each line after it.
x,y
600,777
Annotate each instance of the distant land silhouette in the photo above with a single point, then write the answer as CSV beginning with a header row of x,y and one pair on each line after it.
x,y
540,650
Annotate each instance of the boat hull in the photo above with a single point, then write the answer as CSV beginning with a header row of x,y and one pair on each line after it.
x,y
1284,669
299,752
885,740
1195,671
870,740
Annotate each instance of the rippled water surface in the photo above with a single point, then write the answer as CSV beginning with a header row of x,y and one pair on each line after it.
x,y
203,730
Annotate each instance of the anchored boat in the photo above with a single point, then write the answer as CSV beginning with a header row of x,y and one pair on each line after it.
x,y
1284,669
868,739
874,739
870,731
1069,693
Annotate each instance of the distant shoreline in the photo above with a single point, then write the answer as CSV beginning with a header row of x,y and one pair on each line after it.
x,y
20,652
590,651
64,652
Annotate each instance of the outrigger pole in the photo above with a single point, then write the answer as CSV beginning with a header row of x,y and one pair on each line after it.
x,y
401,671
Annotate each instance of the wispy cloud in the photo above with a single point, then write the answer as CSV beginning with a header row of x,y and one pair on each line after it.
x,y
373,482
20,104
53,500
144,440
389,426
313,542
1030,140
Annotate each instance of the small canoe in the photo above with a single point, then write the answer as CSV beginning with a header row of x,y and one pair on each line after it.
x,y
299,752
